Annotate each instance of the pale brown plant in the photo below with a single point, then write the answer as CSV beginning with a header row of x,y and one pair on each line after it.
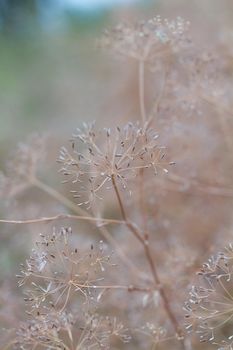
x,y
125,197
210,307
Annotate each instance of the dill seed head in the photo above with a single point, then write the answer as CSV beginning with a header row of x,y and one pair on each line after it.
x,y
45,331
56,330
146,40
57,271
95,157
210,307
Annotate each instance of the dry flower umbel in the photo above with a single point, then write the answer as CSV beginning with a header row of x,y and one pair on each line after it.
x,y
147,40
120,153
57,271
64,331
210,307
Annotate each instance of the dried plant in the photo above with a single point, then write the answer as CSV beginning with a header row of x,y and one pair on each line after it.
x,y
147,40
210,310
126,198
113,154
55,276
61,270
61,331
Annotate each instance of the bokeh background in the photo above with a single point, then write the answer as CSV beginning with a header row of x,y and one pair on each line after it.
x,y
51,75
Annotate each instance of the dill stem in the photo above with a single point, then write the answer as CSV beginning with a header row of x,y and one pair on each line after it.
x,y
141,87
62,217
129,224
141,238
142,203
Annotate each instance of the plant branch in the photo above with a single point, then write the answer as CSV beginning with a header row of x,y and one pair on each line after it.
x,y
140,237
142,203
128,223
99,221
141,86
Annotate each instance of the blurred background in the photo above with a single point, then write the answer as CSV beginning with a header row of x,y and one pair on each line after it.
x,y
51,75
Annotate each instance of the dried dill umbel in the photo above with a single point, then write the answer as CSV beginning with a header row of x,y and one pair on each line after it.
x,y
54,278
210,307
66,331
147,40
98,156
57,272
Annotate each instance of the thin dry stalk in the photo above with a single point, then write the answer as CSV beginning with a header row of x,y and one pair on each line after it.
x,y
141,238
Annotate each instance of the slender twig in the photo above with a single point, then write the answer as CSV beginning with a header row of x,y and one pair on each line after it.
x,y
129,224
142,203
58,196
130,288
99,221
156,106
141,86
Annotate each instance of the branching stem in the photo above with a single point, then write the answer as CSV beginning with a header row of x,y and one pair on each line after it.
x,y
141,238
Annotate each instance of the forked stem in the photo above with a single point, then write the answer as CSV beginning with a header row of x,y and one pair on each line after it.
x,y
141,238
129,224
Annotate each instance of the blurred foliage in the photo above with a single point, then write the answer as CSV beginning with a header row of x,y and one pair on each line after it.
x,y
15,16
